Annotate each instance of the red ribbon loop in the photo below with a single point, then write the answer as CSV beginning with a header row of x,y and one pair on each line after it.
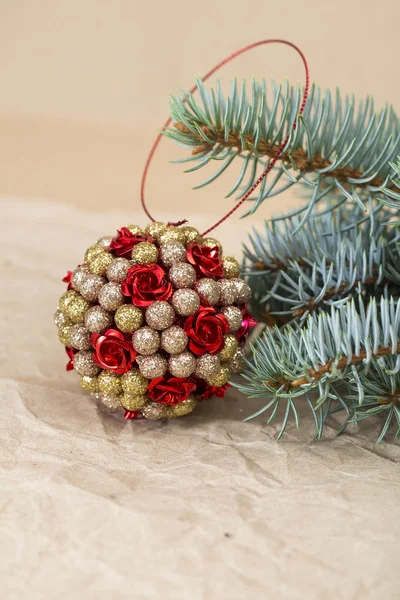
x,y
272,161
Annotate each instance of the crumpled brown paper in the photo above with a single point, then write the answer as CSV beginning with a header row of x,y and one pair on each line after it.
x,y
205,507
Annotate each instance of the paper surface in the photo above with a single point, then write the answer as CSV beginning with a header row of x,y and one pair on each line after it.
x,y
204,507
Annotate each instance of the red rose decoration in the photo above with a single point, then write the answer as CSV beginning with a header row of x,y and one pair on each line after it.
x,y
112,351
205,260
170,390
206,330
70,353
145,284
247,323
125,241
208,391
132,414
67,279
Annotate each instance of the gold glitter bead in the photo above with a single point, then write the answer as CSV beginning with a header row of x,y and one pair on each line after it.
x,y
243,291
208,291
91,286
234,316
183,408
182,365
77,308
146,341
155,411
220,378
133,402
237,363
182,275
89,384
171,234
231,267
172,253
207,366
104,241
145,253
118,269
79,337
111,401
211,243
60,319
185,301
191,234
100,263
174,340
97,319
109,383
152,366
128,318
65,300
84,363
227,292
79,276
63,334
134,383
160,315
110,296
135,229
92,252
229,349
155,229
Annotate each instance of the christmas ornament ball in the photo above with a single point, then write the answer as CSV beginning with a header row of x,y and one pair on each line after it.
x,y
152,320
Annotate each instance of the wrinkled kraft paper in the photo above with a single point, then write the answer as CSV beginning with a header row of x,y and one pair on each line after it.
x,y
205,507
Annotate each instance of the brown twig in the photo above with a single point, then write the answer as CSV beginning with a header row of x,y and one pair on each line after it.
x,y
316,374
299,156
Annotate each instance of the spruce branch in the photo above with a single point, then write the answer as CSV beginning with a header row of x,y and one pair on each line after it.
x,y
325,278
329,261
391,189
337,150
353,346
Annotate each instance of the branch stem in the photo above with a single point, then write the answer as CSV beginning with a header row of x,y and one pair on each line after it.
x,y
299,156
316,374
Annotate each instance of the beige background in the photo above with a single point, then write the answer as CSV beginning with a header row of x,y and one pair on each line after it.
x,y
85,83
202,508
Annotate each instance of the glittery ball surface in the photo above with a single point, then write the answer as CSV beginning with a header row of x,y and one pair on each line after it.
x,y
153,366
182,365
182,275
110,296
145,320
172,253
185,301
160,315
174,340
128,318
146,341
118,269
97,319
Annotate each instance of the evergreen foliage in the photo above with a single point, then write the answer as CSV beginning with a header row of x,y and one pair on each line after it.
x,y
325,278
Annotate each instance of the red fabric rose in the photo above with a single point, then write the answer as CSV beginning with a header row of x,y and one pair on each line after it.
x,y
132,414
145,284
208,391
112,351
248,323
206,330
205,260
70,353
170,390
67,279
125,241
